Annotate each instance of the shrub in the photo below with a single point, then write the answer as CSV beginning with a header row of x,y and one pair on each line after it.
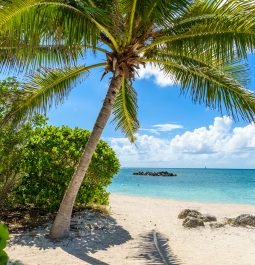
x,y
12,144
49,161
12,140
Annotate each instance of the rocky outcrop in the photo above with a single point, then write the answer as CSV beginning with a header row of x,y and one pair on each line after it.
x,y
193,218
157,174
196,214
189,213
192,222
244,220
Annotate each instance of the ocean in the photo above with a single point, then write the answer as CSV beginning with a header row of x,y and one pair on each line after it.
x,y
205,185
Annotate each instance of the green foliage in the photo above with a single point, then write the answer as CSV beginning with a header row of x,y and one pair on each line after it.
x,y
4,236
125,108
38,161
49,161
12,144
12,139
40,87
8,94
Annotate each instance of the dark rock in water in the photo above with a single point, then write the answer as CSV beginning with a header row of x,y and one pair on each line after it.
x,y
216,225
244,220
191,222
157,174
189,213
209,218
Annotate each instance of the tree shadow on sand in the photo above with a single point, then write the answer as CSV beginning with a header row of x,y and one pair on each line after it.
x,y
90,232
154,248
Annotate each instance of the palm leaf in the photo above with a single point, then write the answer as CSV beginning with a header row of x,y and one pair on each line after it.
x,y
225,28
155,250
125,110
158,11
42,89
207,59
19,58
37,22
217,88
143,15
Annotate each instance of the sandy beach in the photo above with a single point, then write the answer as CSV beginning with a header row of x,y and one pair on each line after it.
x,y
133,220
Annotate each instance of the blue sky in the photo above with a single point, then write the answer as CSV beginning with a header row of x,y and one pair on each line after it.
x,y
165,118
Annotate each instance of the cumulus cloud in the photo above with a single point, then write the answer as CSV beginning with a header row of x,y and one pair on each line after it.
x,y
160,78
166,127
204,140
219,145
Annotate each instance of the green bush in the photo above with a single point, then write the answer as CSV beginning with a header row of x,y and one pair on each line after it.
x,y
4,235
12,139
49,161
12,144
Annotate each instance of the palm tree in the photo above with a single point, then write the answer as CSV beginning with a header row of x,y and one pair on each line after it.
x,y
202,44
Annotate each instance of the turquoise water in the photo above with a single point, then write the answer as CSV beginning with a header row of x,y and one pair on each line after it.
x,y
207,185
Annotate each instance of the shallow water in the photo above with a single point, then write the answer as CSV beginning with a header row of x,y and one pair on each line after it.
x,y
207,185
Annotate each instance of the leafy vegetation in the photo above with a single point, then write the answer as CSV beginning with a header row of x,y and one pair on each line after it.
x,y
12,139
48,162
37,161
201,44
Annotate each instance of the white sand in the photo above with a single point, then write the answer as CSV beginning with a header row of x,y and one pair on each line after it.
x,y
138,216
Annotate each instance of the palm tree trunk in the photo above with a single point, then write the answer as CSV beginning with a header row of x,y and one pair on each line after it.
x,y
61,225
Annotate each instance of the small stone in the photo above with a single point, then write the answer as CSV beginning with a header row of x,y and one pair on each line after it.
x,y
192,222
216,225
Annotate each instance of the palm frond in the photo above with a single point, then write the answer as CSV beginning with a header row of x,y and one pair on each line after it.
x,y
19,58
226,28
217,88
125,110
37,22
131,22
155,250
156,11
207,59
102,18
42,89
143,15
223,42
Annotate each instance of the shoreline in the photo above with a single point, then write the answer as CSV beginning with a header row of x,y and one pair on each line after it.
x,y
133,219
180,200
220,168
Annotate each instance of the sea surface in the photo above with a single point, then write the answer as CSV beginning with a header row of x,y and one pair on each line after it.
x,y
205,185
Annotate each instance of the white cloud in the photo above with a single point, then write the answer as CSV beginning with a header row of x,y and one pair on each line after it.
x,y
159,77
204,140
166,127
219,145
